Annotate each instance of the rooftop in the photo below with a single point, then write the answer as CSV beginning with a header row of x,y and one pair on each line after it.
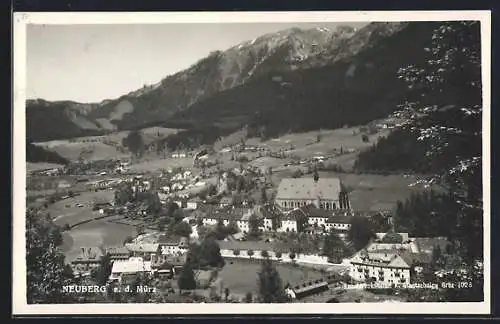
x,y
89,254
145,247
132,265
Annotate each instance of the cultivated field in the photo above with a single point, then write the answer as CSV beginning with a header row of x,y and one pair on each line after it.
x,y
241,276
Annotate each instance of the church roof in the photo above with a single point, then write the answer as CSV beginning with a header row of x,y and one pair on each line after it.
x,y
307,189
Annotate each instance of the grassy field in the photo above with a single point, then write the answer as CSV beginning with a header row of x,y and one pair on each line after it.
x,y
241,276
98,233
30,166
155,164
367,191
66,211
101,147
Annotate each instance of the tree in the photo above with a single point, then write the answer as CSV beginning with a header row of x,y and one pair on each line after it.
x,y
264,254
153,203
46,271
103,271
250,253
270,285
292,255
278,255
360,232
182,229
334,248
140,229
186,279
365,138
220,230
226,294
232,227
248,297
124,194
236,252
178,215
210,251
134,142
301,222
436,257
128,239
445,102
263,196
253,226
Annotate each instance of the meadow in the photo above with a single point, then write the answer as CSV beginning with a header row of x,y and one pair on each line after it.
x,y
241,276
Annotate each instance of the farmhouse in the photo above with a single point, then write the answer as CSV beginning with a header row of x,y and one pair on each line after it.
x,y
325,193
88,259
387,267
132,266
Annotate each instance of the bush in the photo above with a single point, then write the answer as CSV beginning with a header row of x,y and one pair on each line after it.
x,y
264,254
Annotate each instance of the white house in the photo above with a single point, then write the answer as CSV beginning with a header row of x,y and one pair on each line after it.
x,y
288,223
174,246
342,223
132,266
193,203
143,250
386,267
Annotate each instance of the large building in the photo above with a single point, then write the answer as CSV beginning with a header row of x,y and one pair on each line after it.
x,y
325,193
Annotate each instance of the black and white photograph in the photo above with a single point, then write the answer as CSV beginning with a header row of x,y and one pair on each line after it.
x,y
264,162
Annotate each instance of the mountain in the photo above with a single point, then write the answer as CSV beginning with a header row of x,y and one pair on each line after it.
x,y
353,90
287,50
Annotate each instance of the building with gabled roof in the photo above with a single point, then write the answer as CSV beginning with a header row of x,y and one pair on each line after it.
x,y
324,193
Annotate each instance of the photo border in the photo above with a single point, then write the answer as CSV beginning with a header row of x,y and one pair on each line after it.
x,y
21,19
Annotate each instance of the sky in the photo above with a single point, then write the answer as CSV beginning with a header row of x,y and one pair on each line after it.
x,y
91,63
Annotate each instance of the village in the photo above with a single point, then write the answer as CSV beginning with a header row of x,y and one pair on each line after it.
x,y
303,223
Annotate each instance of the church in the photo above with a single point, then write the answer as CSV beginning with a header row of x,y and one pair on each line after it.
x,y
324,193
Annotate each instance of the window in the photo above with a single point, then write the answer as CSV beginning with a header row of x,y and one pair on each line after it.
x,y
284,204
334,206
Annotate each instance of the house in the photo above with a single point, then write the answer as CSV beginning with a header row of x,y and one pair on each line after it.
x,y
130,267
306,289
173,245
193,203
143,250
387,267
63,184
288,223
338,222
88,259
325,193
118,253
171,264
225,202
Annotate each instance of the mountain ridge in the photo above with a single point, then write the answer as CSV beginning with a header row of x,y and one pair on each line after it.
x,y
284,51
